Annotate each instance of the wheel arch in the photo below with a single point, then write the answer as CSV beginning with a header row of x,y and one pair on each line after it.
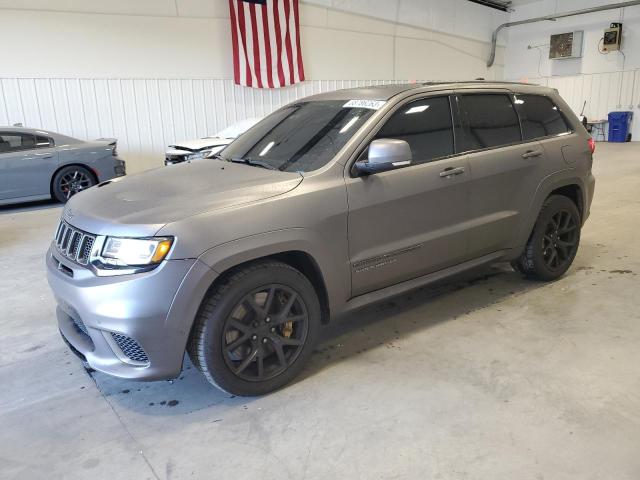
x,y
296,247
557,184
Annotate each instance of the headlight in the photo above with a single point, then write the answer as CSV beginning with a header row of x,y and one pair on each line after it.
x,y
132,253
198,155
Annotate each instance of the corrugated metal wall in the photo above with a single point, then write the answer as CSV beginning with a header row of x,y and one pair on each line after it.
x,y
145,115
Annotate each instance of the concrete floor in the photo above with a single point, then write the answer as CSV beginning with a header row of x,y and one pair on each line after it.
x,y
490,377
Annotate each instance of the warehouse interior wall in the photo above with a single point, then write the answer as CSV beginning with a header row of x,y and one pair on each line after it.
x,y
607,82
153,72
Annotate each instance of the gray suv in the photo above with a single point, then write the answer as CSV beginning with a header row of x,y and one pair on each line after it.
x,y
328,204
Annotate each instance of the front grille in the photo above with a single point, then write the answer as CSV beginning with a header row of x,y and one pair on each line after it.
x,y
130,348
74,244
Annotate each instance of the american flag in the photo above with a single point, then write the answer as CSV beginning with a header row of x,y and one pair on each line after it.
x,y
266,43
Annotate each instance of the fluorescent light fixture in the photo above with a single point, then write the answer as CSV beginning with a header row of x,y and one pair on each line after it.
x,y
349,124
418,109
266,149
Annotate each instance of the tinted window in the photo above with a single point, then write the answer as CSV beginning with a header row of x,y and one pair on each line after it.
x,y
300,137
491,121
10,142
425,125
43,142
539,117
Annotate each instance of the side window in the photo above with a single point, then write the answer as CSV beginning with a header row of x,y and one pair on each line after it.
x,y
43,142
425,125
540,117
11,142
491,121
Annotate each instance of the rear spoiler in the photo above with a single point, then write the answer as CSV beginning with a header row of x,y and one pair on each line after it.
x,y
112,142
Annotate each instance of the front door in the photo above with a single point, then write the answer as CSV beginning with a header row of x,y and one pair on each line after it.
x,y
408,222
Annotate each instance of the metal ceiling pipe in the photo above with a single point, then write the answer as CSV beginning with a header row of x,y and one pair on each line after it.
x,y
602,8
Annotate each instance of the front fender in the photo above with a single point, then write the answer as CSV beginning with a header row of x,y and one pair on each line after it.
x,y
332,263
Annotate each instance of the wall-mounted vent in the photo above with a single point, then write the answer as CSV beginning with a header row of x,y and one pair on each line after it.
x,y
503,6
566,45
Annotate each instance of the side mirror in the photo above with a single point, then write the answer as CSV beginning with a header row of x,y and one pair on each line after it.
x,y
385,154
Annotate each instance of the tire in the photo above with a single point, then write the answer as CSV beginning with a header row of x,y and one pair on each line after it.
x,y
70,180
554,242
241,340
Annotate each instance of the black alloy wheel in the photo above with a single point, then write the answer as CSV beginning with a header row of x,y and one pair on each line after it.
x,y
560,241
256,328
265,332
71,180
554,242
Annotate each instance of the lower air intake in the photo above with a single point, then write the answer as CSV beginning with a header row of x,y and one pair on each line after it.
x,y
130,348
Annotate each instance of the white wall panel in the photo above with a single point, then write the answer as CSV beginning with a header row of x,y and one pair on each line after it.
x,y
145,115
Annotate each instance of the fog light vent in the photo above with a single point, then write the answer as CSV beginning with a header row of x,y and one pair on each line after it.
x,y
130,348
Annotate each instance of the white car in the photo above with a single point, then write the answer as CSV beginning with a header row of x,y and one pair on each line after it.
x,y
207,147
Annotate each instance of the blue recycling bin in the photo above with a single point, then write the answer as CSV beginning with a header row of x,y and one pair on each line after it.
x,y
619,123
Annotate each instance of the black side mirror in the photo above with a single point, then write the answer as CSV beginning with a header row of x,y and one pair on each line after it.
x,y
385,154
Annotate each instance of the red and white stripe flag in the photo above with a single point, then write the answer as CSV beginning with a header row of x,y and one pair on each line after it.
x,y
266,43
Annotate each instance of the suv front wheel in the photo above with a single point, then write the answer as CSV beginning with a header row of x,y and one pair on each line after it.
x,y
256,329
554,241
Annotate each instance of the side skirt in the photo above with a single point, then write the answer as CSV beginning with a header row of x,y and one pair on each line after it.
x,y
408,285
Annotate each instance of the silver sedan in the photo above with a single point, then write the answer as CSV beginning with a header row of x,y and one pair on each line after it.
x,y
38,164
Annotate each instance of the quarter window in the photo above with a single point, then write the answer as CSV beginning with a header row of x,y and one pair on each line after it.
x,y
540,117
425,125
491,121
43,142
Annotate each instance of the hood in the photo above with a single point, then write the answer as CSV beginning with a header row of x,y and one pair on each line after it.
x,y
196,145
141,204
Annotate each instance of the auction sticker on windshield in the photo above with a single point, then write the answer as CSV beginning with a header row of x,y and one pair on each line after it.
x,y
370,104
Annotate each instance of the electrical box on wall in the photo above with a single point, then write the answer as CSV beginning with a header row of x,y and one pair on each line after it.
x,y
612,37
566,45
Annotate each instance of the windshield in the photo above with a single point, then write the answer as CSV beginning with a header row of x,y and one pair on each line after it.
x,y
299,138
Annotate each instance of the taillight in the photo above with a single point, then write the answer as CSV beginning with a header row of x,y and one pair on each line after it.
x,y
114,149
592,145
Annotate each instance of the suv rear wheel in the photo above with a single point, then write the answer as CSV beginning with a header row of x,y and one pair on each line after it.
x,y
256,329
554,241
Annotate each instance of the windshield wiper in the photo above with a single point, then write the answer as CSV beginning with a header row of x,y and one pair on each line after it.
x,y
253,163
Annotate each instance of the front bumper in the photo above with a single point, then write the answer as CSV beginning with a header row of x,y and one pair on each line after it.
x,y
131,326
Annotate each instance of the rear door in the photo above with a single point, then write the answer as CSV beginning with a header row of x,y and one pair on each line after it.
x,y
505,170
27,163
408,222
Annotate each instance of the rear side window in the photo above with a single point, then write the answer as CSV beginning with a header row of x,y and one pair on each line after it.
x,y
540,117
11,142
491,121
43,142
425,125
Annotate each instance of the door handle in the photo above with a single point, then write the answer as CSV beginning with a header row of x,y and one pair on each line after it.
x,y
532,153
451,171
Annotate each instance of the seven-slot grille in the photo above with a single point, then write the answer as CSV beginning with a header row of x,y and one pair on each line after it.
x,y
74,244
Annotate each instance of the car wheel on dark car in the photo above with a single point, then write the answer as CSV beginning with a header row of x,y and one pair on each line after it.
x,y
554,241
256,329
71,180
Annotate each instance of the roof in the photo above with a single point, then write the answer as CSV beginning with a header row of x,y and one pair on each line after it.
x,y
385,92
